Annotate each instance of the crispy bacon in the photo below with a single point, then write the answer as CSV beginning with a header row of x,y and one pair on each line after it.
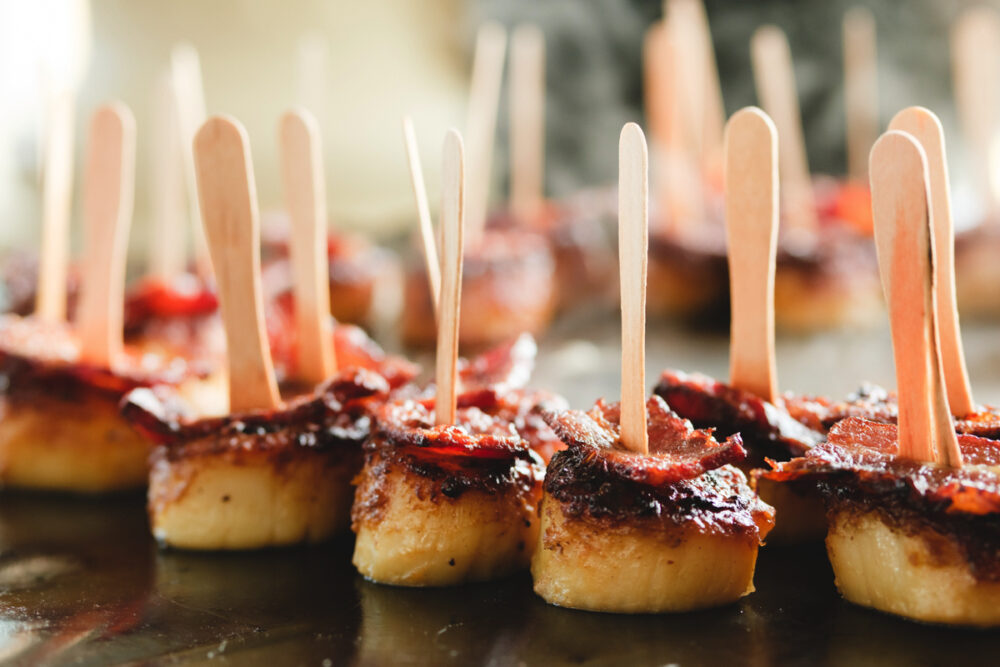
x,y
187,296
482,450
767,429
505,367
337,413
685,479
864,454
41,358
859,470
676,450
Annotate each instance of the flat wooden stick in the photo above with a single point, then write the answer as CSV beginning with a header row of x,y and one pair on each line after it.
x,y
903,238
452,224
190,93
311,73
305,197
752,231
775,80
860,89
633,251
228,197
527,122
109,187
684,174
658,85
975,47
481,123
925,127
427,239
714,108
167,255
57,204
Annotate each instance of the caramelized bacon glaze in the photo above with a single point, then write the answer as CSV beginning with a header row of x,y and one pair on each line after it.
x,y
42,360
767,429
483,449
337,416
687,476
859,470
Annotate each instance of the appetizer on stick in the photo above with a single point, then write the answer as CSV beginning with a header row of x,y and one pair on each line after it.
x,y
449,489
781,426
913,509
642,513
825,274
509,270
267,473
60,428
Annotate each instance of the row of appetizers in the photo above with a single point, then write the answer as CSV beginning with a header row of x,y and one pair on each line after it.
x,y
639,506
557,252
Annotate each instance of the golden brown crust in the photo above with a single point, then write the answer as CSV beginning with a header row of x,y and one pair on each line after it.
x,y
80,445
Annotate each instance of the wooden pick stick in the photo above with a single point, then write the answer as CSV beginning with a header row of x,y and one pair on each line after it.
x,y
190,96
305,197
481,123
684,175
775,80
57,203
109,186
527,122
311,73
715,110
452,223
925,127
975,45
752,230
860,89
427,238
228,197
903,238
633,247
166,252
658,85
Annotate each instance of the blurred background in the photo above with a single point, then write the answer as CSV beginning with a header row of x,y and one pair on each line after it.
x,y
378,60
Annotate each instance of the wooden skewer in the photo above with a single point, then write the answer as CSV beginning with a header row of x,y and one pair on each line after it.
x,y
452,224
527,122
57,204
190,94
228,197
305,198
925,127
975,45
752,230
903,238
427,239
311,74
481,123
633,247
860,89
166,252
658,84
109,187
684,175
775,80
714,108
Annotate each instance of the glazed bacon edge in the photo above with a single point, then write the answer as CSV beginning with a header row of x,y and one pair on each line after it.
x,y
863,454
344,404
677,450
